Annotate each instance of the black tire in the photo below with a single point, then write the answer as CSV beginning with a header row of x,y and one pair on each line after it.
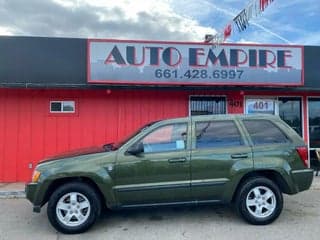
x,y
254,209
84,194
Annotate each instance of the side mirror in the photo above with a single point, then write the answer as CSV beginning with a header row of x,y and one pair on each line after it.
x,y
136,149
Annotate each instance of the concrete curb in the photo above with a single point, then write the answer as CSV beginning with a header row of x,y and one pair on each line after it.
x,y
12,194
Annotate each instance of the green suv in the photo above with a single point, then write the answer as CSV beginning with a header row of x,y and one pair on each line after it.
x,y
249,161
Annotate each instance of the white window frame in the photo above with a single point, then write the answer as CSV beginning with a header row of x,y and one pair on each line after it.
x,y
62,102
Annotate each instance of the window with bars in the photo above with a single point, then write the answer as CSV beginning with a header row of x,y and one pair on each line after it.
x,y
206,105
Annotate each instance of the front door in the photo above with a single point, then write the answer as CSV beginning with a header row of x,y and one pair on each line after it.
x,y
161,173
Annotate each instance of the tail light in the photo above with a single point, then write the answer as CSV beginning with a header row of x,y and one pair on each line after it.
x,y
303,154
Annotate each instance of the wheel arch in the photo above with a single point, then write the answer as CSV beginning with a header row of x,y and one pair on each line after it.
x,y
272,175
55,184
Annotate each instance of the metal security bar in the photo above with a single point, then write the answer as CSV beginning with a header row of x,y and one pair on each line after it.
x,y
203,105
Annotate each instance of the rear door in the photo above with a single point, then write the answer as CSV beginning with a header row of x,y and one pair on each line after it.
x,y
219,152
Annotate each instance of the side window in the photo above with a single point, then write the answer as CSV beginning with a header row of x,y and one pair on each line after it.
x,y
166,138
265,132
215,134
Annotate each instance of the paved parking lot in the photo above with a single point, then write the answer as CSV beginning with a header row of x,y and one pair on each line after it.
x,y
299,220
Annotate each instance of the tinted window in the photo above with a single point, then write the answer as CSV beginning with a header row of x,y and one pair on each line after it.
x,y
264,132
216,134
166,138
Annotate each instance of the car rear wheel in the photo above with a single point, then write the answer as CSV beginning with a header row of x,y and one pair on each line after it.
x,y
259,201
73,208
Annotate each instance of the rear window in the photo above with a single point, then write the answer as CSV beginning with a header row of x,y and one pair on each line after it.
x,y
215,134
265,132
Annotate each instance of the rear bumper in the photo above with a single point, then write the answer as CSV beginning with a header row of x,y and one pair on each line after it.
x,y
302,179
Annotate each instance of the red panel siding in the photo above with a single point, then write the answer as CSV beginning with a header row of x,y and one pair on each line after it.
x,y
10,135
30,133
3,96
235,103
25,131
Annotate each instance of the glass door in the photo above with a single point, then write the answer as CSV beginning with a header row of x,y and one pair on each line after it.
x,y
314,130
290,112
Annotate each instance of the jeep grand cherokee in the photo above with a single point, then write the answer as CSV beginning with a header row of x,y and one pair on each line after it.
x,y
249,161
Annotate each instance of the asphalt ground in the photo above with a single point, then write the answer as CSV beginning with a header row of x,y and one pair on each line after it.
x,y
300,219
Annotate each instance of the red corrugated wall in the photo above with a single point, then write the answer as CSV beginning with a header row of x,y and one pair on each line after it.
x,y
29,133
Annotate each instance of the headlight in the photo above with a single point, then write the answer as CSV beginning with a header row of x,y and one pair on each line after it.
x,y
35,176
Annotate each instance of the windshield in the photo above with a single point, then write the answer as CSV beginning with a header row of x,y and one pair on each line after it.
x,y
115,146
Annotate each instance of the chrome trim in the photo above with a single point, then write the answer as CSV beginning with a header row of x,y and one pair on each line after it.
x,y
171,185
195,202
152,186
209,182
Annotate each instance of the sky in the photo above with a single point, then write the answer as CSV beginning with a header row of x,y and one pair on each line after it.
x,y
282,22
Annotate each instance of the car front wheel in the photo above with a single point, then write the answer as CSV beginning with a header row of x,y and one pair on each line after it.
x,y
259,201
73,208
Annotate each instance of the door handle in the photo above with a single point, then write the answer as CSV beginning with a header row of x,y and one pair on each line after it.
x,y
177,160
239,155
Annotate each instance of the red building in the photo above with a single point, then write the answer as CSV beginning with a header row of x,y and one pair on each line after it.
x,y
61,94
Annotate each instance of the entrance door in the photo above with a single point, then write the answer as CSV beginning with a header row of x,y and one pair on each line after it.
x,y
290,112
314,130
161,173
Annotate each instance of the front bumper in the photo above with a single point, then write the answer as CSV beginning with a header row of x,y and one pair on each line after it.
x,y
302,179
31,190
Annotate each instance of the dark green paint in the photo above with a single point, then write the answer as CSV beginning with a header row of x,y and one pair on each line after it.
x,y
184,176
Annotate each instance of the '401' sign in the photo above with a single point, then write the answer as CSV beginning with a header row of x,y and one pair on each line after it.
x,y
260,106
